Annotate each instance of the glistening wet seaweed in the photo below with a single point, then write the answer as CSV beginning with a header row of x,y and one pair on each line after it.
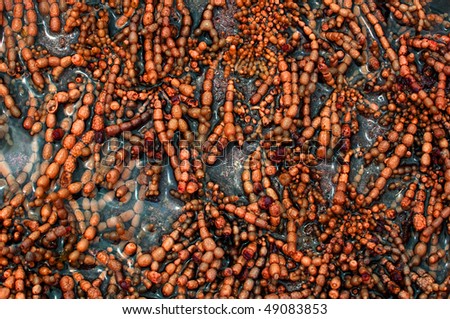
x,y
259,149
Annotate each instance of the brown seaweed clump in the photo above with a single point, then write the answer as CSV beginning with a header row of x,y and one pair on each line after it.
x,y
336,116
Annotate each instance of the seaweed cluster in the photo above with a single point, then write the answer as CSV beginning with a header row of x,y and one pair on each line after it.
x,y
227,149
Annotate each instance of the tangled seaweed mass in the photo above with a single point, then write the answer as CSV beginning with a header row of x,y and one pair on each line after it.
x,y
230,149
